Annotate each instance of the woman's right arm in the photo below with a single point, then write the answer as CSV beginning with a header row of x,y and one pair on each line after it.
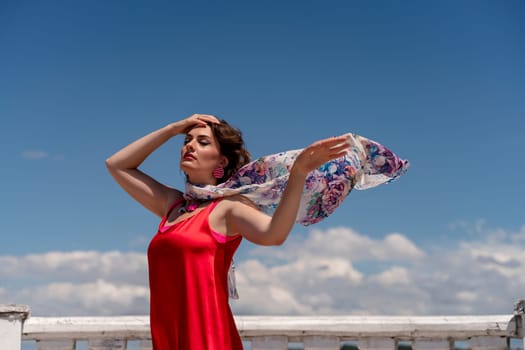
x,y
123,166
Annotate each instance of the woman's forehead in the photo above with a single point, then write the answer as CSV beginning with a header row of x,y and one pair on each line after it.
x,y
200,131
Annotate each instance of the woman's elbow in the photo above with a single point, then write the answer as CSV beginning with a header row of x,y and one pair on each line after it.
x,y
112,164
109,162
276,241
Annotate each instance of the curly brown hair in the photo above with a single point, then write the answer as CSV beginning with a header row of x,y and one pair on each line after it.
x,y
231,145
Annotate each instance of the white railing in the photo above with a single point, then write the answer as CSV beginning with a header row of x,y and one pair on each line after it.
x,y
277,332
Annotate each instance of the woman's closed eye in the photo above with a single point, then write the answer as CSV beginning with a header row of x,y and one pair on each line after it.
x,y
201,141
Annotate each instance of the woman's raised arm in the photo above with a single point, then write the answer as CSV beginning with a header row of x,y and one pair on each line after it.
x,y
123,165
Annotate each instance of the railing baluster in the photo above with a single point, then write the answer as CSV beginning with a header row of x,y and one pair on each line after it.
x,y
376,344
55,344
321,343
436,344
486,343
270,343
519,315
107,344
146,345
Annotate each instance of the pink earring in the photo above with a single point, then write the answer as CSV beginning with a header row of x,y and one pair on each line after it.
x,y
218,172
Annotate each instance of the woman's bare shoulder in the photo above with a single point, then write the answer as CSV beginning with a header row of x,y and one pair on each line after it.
x,y
239,199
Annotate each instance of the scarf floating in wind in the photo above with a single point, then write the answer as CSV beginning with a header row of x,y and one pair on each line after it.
x,y
366,164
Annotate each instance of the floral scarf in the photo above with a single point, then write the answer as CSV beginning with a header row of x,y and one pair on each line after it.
x,y
367,164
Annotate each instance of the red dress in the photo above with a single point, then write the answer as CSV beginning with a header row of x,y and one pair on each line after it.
x,y
188,277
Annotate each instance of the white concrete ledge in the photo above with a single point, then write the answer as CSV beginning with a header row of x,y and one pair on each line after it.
x,y
402,327
294,327
83,328
14,310
276,332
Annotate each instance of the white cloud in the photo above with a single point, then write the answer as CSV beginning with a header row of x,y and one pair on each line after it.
x,y
320,274
77,266
466,296
335,272
300,286
94,298
393,276
38,154
484,276
34,154
78,282
469,227
347,243
518,236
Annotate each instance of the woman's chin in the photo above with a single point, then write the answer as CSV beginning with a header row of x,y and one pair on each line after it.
x,y
186,166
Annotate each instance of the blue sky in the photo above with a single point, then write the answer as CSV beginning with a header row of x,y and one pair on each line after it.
x,y
442,84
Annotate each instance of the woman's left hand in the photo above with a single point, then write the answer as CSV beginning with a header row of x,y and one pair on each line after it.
x,y
320,152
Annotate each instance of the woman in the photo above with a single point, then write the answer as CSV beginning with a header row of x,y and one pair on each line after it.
x,y
190,255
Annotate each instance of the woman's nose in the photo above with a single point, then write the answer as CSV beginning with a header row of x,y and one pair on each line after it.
x,y
189,145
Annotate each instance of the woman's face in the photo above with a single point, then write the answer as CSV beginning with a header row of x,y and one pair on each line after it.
x,y
200,155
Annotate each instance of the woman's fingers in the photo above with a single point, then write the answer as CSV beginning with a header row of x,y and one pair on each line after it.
x,y
207,118
332,146
201,120
341,147
321,152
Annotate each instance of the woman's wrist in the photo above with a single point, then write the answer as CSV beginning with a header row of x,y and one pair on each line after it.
x,y
297,172
174,128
